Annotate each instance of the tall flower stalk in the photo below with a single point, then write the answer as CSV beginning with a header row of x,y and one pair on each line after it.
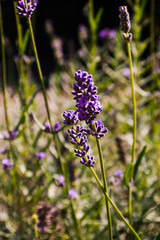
x,y
125,27
88,107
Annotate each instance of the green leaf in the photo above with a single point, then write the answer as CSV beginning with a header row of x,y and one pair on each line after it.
x,y
138,162
158,236
25,41
127,174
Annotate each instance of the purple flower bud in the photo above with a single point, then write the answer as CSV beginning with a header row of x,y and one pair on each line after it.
x,y
26,11
100,129
6,164
116,179
70,117
57,126
40,155
4,151
72,194
89,163
10,136
61,181
48,128
125,24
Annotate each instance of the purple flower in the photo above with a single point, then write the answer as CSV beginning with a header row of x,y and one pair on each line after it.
x,y
48,217
26,11
85,94
126,72
10,136
61,181
125,24
48,128
70,117
57,126
107,33
117,178
40,155
89,163
100,129
4,151
72,194
6,164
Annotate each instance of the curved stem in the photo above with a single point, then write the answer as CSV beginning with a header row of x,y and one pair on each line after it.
x,y
104,185
134,132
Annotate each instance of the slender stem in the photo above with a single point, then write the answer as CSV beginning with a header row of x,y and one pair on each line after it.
x,y
39,70
73,214
113,205
105,186
134,132
19,34
4,72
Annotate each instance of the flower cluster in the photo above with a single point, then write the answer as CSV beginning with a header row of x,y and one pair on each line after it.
x,y
78,136
26,9
6,164
10,135
116,180
85,94
88,107
48,216
125,24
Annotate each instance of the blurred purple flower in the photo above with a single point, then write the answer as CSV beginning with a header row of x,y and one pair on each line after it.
x,y
40,155
61,181
126,72
107,34
10,136
48,128
57,126
72,194
4,151
6,164
116,179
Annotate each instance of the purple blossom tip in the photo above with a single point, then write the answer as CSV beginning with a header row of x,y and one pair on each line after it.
x,y
10,136
72,194
89,162
61,181
57,126
40,155
125,24
6,164
26,11
116,179
70,117
48,128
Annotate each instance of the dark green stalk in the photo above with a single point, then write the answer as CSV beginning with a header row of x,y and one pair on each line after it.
x,y
4,72
20,41
105,186
134,132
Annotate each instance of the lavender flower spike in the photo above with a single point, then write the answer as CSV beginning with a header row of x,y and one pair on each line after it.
x,y
72,194
40,155
26,11
125,24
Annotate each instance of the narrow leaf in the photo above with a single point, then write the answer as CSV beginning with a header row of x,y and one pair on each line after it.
x,y
138,162
127,174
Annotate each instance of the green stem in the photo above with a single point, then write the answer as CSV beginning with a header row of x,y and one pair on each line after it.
x,y
105,186
19,34
134,132
4,72
113,205
73,214
39,70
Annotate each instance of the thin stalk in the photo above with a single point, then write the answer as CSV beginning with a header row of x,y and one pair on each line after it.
x,y
39,69
113,205
73,214
4,72
105,186
134,132
20,41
